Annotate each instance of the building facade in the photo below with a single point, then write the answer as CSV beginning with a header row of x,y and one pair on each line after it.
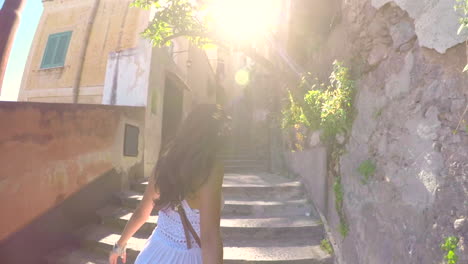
x,y
91,51
68,56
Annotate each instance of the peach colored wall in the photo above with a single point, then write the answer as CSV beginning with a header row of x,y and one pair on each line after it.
x,y
50,151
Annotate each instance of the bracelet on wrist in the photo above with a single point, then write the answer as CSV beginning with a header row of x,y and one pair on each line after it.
x,y
119,250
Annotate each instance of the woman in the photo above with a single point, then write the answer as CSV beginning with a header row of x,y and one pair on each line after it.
x,y
186,189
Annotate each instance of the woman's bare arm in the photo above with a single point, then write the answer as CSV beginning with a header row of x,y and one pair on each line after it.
x,y
141,214
138,218
210,214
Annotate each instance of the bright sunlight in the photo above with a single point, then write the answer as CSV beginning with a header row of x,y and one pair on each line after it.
x,y
244,20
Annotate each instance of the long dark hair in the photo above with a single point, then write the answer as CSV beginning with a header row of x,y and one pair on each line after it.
x,y
186,162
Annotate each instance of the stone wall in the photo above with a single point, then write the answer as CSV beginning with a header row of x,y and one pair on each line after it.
x,y
406,59
48,152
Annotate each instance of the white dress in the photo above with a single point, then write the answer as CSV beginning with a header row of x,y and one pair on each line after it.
x,y
167,243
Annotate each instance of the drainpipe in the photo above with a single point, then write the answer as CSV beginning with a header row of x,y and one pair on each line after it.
x,y
82,52
9,21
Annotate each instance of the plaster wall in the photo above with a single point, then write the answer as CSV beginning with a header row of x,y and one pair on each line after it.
x,y
311,166
51,151
127,75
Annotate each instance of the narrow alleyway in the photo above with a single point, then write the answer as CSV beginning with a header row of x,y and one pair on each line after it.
x,y
265,220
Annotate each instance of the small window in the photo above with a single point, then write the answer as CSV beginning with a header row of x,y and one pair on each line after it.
x,y
131,140
56,50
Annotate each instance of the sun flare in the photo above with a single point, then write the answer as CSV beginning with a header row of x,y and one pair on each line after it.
x,y
242,20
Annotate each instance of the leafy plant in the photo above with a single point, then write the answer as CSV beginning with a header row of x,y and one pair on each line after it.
x,y
326,246
462,7
175,18
450,245
294,114
324,107
366,169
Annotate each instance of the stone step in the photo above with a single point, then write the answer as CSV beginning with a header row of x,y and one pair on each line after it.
x,y
242,207
292,190
77,256
276,255
244,162
262,208
119,216
247,155
240,228
254,186
245,169
100,239
286,191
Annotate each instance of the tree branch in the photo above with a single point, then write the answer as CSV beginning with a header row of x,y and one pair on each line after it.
x,y
248,51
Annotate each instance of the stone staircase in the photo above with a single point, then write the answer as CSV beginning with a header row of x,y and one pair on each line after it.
x,y
266,219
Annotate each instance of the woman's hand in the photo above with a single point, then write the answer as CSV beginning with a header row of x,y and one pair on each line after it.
x,y
113,256
139,217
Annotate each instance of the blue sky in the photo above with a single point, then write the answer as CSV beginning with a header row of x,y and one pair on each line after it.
x,y
20,51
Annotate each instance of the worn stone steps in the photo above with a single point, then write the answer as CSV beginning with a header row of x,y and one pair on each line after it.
x,y
244,161
245,169
265,220
77,256
235,227
232,255
251,186
276,255
241,207
99,239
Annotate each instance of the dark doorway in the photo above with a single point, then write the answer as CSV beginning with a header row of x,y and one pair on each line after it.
x,y
172,110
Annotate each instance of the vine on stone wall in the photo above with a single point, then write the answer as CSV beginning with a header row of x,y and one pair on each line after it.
x,y
462,6
325,107
328,108
450,246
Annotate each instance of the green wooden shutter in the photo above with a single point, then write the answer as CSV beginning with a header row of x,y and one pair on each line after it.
x,y
56,50
49,52
62,47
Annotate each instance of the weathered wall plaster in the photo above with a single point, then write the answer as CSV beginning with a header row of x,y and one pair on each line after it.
x,y
127,75
50,151
311,165
436,22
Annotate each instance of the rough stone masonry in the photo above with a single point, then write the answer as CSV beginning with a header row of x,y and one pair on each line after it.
x,y
411,96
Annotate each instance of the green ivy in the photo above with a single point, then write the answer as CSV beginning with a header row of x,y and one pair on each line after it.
x,y
366,169
450,245
338,190
344,228
326,246
326,107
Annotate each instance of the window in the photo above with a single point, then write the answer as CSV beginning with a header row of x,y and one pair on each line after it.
x,y
56,50
131,140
